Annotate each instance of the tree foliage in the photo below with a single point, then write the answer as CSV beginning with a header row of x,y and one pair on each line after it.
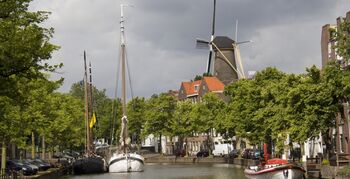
x,y
136,118
159,114
24,44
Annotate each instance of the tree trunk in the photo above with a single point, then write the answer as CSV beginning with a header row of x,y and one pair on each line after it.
x,y
13,151
337,137
186,147
160,143
43,150
33,146
3,158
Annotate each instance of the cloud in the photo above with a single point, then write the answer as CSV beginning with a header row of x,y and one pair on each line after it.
x,y
161,37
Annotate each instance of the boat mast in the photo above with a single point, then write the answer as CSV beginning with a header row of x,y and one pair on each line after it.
x,y
90,109
87,144
122,43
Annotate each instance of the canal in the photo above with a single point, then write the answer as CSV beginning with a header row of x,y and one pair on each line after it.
x,y
174,171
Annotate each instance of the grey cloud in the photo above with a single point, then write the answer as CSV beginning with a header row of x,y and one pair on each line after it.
x,y
161,36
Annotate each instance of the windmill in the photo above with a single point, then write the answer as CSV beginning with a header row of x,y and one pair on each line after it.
x,y
226,55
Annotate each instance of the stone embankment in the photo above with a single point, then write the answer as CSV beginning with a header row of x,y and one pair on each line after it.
x,y
157,158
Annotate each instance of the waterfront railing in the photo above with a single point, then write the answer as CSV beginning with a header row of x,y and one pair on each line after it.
x,y
9,174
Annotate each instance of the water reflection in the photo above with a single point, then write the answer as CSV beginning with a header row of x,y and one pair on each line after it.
x,y
174,171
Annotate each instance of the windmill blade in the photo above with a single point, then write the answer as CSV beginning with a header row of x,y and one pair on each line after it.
x,y
243,42
209,62
202,44
239,61
213,25
211,39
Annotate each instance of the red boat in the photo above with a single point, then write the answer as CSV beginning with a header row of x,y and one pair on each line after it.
x,y
275,169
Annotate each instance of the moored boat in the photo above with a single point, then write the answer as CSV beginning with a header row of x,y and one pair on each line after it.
x,y
275,169
123,160
91,162
89,165
126,162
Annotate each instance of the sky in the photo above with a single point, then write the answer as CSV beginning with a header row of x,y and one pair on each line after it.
x,y
161,34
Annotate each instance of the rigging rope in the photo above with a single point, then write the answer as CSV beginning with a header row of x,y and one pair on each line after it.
x,y
114,111
129,76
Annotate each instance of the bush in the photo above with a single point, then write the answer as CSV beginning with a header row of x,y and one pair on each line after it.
x,y
344,171
325,162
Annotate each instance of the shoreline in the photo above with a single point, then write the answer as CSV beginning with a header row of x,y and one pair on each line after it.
x,y
158,158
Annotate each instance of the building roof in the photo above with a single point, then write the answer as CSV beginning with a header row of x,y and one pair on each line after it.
x,y
214,84
223,42
190,87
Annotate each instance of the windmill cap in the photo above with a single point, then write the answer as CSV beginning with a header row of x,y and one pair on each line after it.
x,y
223,42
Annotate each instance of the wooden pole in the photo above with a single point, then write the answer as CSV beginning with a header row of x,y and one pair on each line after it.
x,y
87,139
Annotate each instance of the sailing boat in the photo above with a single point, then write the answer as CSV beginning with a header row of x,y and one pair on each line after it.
x,y
90,162
124,160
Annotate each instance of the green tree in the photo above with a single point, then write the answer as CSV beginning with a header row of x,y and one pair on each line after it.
x,y
159,115
67,125
136,118
255,105
24,52
24,45
343,40
9,125
181,124
102,107
206,114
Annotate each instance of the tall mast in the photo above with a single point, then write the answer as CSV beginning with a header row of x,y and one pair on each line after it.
x,y
122,43
87,145
90,107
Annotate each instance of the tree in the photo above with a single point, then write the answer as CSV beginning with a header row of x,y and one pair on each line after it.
x,y
253,103
343,40
159,114
199,77
206,114
24,45
102,107
9,125
24,50
136,118
181,123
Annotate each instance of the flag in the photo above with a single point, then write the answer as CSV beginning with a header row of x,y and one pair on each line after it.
x,y
93,120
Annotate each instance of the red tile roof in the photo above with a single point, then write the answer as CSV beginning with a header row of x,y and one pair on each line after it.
x,y
214,84
190,87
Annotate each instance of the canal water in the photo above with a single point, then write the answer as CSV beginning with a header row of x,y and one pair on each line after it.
x,y
174,171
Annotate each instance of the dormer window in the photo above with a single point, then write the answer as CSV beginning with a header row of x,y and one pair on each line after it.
x,y
196,87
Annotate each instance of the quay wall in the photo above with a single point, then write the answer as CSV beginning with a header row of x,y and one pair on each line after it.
x,y
173,159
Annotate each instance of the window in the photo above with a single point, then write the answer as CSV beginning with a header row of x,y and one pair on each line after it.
x,y
196,88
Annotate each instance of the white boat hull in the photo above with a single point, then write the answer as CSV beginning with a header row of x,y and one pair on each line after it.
x,y
279,172
130,162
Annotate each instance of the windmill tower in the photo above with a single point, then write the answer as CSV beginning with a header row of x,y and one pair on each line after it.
x,y
226,56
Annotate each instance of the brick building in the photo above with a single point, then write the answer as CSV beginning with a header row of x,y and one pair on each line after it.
x,y
329,53
195,90
328,42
